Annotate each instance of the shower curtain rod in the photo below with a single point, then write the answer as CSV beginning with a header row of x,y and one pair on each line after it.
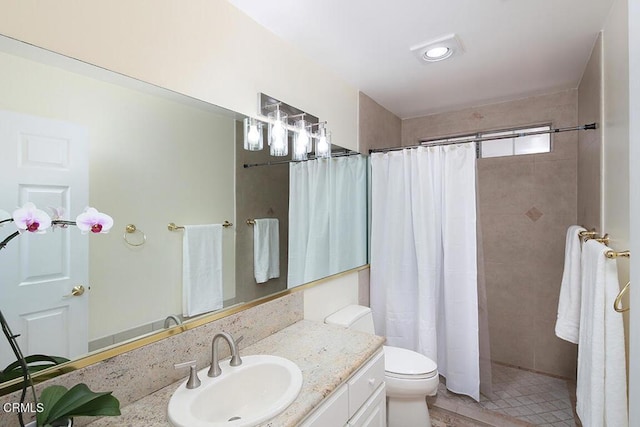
x,y
425,142
284,162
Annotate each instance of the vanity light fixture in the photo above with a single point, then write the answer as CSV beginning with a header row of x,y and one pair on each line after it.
x,y
438,49
301,141
282,118
253,135
278,133
323,142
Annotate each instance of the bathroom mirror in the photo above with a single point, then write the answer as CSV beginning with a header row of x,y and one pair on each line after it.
x,y
84,136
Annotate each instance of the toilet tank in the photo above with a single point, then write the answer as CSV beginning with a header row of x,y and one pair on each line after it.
x,y
354,317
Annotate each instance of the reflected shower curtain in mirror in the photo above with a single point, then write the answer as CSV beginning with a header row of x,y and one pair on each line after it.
x,y
423,257
327,233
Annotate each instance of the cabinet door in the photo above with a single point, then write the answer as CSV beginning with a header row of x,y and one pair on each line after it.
x,y
334,411
373,413
365,382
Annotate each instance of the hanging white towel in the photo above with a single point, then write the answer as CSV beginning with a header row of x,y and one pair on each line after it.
x,y
266,249
568,321
601,389
201,269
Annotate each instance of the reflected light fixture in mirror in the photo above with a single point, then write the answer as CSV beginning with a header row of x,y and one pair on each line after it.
x,y
323,142
278,133
253,136
301,141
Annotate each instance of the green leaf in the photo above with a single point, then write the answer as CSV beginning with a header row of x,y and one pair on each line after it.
x,y
106,405
35,362
78,401
49,397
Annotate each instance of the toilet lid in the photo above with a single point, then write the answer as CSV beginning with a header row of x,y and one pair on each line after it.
x,y
401,362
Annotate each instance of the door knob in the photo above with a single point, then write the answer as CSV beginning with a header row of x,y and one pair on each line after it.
x,y
76,291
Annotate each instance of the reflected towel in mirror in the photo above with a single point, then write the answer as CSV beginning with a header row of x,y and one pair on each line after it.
x,y
266,249
201,269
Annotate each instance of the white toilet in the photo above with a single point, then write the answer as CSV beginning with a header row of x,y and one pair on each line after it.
x,y
409,376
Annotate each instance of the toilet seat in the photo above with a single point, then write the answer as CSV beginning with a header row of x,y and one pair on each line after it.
x,y
406,364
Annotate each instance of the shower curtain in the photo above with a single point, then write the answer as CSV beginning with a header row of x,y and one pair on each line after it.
x,y
423,257
327,231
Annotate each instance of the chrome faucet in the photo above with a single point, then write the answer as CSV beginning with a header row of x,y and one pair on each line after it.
x,y
171,317
215,370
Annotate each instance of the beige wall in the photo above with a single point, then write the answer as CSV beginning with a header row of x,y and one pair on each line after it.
x,y
590,143
378,127
615,139
523,253
209,50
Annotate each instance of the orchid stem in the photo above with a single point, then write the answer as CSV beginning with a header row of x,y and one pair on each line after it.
x,y
61,222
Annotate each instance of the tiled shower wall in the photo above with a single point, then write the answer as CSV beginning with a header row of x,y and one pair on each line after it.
x,y
526,204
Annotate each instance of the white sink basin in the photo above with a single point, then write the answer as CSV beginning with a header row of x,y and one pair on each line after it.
x,y
242,396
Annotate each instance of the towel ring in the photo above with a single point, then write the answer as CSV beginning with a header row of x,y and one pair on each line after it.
x,y
130,229
617,304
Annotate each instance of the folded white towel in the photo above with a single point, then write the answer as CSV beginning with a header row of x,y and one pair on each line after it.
x,y
201,269
568,321
266,249
601,389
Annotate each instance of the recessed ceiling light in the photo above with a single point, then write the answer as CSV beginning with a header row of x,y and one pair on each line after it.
x,y
438,50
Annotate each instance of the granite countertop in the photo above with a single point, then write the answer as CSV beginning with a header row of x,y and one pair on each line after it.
x,y
326,354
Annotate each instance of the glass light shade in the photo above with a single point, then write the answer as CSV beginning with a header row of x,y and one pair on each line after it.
x,y
323,144
301,141
253,136
437,52
278,134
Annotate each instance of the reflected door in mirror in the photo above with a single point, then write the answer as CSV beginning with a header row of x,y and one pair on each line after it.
x,y
44,162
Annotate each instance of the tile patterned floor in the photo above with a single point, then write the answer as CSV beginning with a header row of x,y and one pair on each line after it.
x,y
526,398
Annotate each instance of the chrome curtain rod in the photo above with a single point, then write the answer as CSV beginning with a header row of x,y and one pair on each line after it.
x,y
284,162
426,142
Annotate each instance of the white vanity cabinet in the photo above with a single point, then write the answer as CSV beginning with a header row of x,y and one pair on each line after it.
x,y
360,402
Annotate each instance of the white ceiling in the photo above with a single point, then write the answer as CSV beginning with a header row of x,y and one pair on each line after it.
x,y
512,48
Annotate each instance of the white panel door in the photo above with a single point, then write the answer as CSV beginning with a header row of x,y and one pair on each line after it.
x,y
44,161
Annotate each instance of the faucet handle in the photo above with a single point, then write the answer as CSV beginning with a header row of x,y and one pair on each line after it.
x,y
193,381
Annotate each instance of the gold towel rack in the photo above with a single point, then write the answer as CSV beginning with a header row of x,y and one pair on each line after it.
x,y
590,234
617,304
173,227
251,222
593,235
614,254
603,239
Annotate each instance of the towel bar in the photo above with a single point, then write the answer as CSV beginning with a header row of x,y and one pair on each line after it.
x,y
591,233
173,227
617,304
614,254
604,239
130,229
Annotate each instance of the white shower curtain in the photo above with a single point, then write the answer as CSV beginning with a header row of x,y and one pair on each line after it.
x,y
327,234
424,260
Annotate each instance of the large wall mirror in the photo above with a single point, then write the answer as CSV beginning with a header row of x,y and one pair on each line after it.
x,y
74,135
